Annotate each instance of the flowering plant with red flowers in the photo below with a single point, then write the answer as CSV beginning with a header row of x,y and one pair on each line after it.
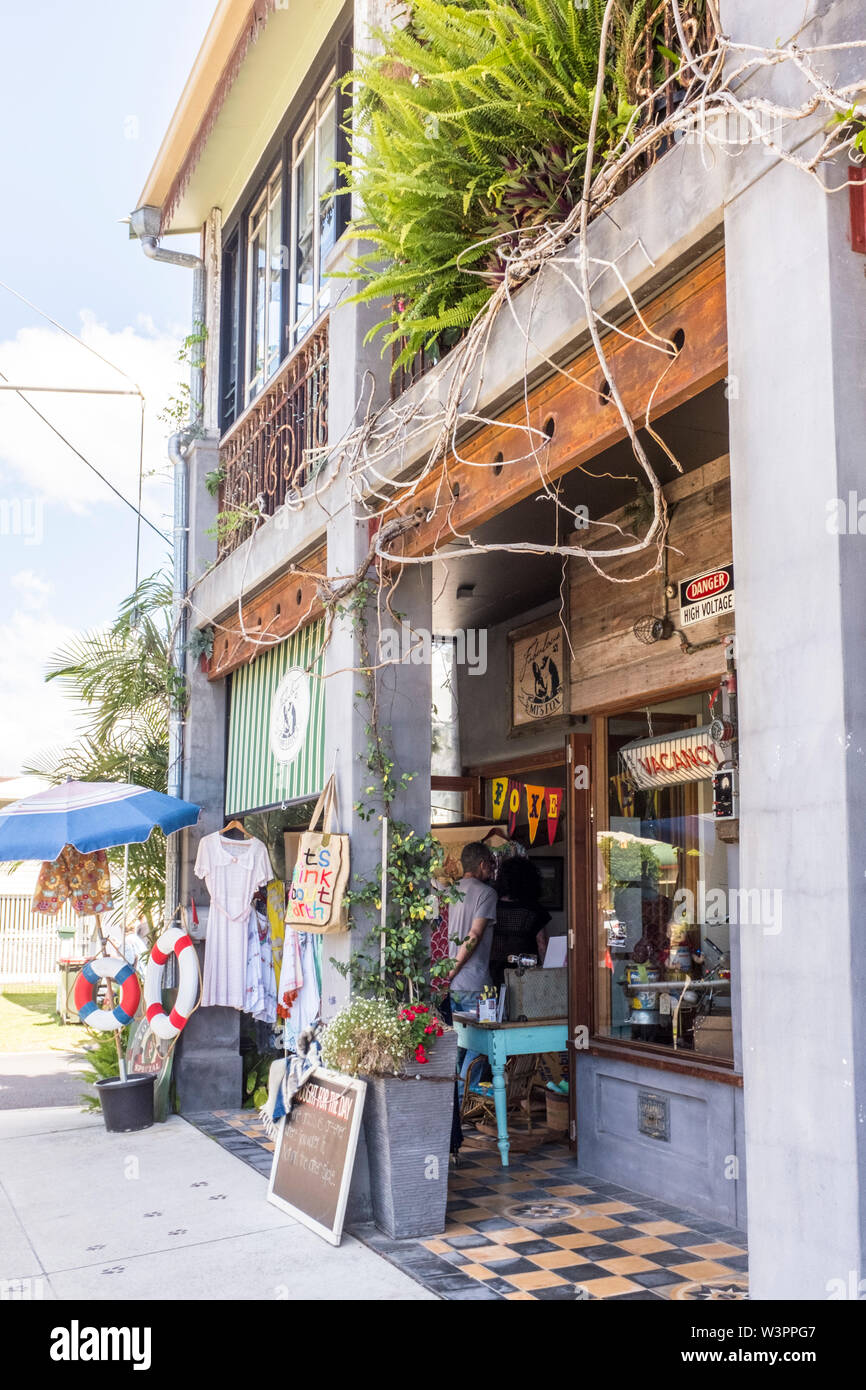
x,y
424,1026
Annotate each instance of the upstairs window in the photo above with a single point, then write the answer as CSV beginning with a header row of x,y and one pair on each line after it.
x,y
314,215
264,285
277,242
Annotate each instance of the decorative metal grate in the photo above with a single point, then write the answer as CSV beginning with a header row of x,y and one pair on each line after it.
x,y
278,444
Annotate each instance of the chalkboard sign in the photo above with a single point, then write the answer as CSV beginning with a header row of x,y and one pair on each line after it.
x,y
315,1153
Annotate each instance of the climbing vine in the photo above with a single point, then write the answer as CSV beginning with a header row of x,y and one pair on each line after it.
x,y
394,962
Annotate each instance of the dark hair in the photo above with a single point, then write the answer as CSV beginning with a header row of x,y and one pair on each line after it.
x,y
519,879
473,855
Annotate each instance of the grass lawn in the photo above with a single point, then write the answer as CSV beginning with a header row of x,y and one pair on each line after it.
x,y
28,1022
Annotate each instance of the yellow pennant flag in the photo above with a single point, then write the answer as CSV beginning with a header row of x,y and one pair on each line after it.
x,y
500,787
534,807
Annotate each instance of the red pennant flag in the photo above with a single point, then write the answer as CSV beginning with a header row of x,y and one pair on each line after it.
x,y
553,810
513,805
534,804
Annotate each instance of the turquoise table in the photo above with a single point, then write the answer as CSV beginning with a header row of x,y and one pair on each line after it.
x,y
498,1042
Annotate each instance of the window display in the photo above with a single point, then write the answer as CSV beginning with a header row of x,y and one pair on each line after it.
x,y
664,884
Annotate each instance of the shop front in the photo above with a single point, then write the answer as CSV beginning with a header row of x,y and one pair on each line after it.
x,y
657,906
261,978
617,708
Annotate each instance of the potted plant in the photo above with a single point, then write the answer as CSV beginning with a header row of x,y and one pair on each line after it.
x,y
126,1101
407,1057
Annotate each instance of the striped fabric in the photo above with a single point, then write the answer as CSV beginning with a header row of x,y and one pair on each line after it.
x,y
254,778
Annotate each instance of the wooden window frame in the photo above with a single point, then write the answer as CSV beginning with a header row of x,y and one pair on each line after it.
x,y
584,966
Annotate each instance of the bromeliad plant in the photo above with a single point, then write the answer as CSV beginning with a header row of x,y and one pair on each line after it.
x,y
469,130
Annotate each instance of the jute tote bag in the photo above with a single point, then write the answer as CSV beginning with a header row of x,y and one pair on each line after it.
x,y
321,870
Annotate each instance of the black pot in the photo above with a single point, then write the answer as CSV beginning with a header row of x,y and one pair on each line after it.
x,y
126,1105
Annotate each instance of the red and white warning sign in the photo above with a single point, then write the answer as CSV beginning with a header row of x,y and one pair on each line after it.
x,y
707,596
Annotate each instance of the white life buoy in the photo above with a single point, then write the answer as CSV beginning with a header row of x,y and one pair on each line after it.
x,y
112,968
175,942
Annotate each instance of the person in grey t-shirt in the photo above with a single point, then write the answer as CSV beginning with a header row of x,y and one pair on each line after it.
x,y
471,922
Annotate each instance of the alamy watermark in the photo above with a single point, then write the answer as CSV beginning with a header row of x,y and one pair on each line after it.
x,y
414,646
746,907
23,518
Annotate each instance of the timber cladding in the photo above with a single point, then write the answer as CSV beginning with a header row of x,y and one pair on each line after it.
x,y
284,606
611,666
574,410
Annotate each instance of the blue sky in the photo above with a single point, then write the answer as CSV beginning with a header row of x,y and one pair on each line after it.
x,y
87,93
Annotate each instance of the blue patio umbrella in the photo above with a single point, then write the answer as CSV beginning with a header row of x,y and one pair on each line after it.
x,y
90,816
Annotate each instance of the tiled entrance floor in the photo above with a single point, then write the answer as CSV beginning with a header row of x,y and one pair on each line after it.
x,y
542,1229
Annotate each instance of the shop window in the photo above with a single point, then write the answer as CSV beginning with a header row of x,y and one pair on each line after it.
x,y
664,881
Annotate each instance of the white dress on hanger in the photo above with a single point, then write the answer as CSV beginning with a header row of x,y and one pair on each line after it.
x,y
233,870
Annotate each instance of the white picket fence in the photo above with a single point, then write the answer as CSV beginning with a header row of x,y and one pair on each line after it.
x,y
30,943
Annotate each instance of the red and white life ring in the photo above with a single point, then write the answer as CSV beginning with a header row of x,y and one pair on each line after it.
x,y
175,942
111,968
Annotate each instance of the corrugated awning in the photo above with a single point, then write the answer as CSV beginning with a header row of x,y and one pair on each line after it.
x,y
276,748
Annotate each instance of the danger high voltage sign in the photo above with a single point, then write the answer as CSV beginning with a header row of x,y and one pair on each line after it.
x,y
707,596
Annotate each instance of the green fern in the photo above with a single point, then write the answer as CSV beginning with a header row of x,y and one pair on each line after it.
x,y
472,123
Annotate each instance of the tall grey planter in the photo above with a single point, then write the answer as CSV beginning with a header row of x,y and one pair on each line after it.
x,y
407,1123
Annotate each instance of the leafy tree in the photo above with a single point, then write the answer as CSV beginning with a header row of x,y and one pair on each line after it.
x,y
123,677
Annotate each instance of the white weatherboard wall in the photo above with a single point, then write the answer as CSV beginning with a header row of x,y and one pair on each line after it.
x,y
797,310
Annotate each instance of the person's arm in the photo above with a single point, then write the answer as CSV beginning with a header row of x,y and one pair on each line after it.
x,y
476,931
541,944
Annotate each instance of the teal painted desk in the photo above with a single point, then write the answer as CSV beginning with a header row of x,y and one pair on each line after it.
x,y
498,1042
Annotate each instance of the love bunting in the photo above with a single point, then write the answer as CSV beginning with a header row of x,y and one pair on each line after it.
x,y
513,805
500,789
553,810
534,802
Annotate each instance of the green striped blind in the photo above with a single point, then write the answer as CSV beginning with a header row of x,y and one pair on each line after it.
x,y
254,777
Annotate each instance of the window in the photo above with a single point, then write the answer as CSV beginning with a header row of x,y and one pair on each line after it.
x,y
229,321
264,282
313,214
666,885
276,246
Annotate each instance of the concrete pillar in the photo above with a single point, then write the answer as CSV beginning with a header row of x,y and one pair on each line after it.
x,y
207,1064
796,316
356,369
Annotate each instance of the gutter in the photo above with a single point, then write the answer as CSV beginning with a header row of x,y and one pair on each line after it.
x,y
145,225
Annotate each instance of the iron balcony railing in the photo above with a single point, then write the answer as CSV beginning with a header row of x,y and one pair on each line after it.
x,y
275,447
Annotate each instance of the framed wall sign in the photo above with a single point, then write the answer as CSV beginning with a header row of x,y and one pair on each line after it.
x,y
538,674
315,1153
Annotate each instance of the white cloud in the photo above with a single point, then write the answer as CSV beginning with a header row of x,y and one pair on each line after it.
x,y
104,428
32,590
38,716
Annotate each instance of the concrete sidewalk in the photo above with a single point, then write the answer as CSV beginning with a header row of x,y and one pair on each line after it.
x,y
39,1078
162,1214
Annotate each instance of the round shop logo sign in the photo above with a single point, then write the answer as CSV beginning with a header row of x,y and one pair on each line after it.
x,y
290,715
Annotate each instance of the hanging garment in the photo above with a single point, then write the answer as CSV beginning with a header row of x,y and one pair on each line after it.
x,y
291,973
82,878
261,994
232,870
277,922
305,1009
440,947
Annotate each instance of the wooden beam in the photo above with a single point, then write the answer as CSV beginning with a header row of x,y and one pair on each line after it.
x,y
278,610
584,424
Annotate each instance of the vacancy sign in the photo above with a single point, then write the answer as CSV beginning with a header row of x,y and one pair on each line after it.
x,y
708,596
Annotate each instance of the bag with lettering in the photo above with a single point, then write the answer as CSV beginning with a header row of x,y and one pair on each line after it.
x,y
321,871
